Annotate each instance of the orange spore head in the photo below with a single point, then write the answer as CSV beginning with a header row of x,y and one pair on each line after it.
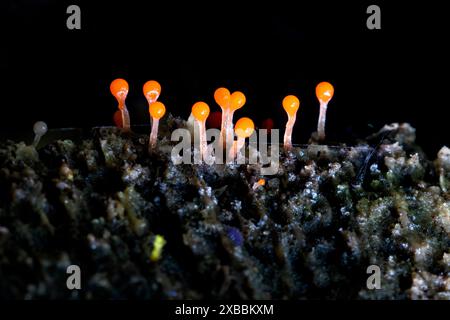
x,y
261,182
291,104
237,100
152,90
244,127
157,110
119,89
324,92
222,97
200,111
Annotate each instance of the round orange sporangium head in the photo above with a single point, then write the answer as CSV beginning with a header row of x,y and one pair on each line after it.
x,y
222,97
200,111
237,100
152,90
291,104
324,92
244,127
119,89
157,110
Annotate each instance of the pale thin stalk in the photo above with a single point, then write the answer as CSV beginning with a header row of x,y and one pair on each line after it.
x,y
203,145
125,116
322,119
153,134
229,134
37,138
238,147
288,132
223,126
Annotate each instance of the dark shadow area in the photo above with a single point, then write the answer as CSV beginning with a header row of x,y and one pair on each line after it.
x,y
390,75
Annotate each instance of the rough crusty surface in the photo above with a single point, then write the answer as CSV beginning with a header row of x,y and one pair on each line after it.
x,y
310,232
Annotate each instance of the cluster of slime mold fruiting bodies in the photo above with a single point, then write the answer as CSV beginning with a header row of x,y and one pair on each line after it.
x,y
150,228
229,103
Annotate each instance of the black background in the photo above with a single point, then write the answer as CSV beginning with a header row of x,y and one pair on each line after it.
x,y
321,309
267,50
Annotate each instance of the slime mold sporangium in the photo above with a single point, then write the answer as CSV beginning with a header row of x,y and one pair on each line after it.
x,y
142,226
244,128
324,93
119,89
157,111
290,105
152,90
200,111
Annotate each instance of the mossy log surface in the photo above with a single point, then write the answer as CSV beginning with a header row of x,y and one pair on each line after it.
x,y
310,232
